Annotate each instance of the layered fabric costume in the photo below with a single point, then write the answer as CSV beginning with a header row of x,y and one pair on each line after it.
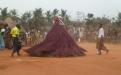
x,y
57,43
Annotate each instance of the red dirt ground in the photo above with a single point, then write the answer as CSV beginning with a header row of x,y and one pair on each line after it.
x,y
91,64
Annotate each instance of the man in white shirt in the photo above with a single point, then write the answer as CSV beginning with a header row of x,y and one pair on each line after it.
x,y
101,33
100,41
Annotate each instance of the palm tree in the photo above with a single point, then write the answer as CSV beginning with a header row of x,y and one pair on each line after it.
x,y
119,19
38,18
55,12
25,20
38,13
0,14
67,20
48,16
65,17
63,14
4,13
13,13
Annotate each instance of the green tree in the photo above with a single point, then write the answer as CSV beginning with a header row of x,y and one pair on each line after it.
x,y
38,18
65,17
55,12
48,16
63,14
90,19
14,15
26,20
118,21
4,13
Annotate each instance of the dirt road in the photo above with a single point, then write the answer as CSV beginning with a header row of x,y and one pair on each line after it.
x,y
91,64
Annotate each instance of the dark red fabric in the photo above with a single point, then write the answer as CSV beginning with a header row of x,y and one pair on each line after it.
x,y
57,43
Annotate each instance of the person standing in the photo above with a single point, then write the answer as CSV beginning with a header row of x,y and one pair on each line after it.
x,y
2,43
7,37
100,40
15,39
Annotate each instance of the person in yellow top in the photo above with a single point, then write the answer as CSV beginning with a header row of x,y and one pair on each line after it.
x,y
15,32
15,39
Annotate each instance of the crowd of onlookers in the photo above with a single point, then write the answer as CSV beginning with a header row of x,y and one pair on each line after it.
x,y
79,33
5,37
84,33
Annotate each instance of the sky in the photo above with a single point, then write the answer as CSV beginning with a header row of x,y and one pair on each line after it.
x,y
110,8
